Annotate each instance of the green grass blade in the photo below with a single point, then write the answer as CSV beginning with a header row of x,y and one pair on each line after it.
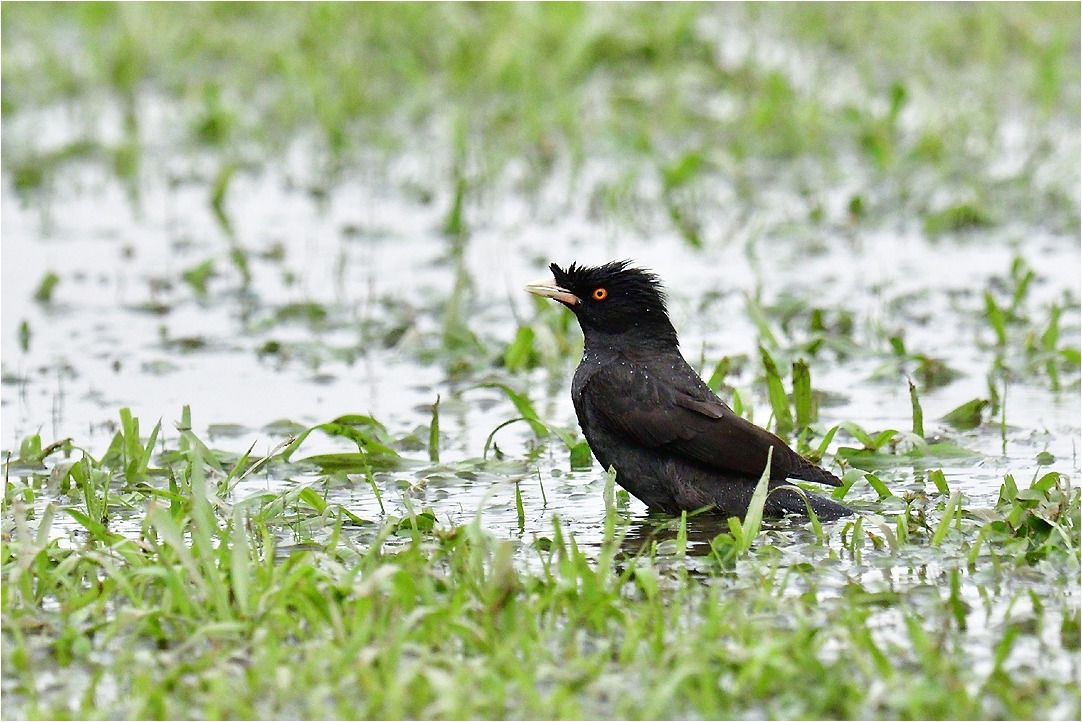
x,y
918,413
879,487
520,511
779,401
753,520
434,433
682,536
822,450
996,318
240,563
803,400
524,406
609,497
937,477
949,512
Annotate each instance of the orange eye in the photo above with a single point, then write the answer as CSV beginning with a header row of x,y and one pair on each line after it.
x,y
600,294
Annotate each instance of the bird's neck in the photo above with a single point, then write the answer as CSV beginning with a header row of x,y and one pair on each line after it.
x,y
653,339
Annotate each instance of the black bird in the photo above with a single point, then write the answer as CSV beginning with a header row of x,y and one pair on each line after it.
x,y
645,412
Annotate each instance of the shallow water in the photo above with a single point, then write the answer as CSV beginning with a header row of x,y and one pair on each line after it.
x,y
367,249
124,330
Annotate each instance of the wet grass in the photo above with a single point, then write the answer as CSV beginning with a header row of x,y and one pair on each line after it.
x,y
284,604
576,85
455,555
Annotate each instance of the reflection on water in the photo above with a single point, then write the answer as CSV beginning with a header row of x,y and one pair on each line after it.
x,y
347,299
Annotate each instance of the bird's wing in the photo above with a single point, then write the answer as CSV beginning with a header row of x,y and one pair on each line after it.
x,y
677,414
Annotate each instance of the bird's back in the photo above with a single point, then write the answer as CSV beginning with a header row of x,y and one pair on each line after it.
x,y
674,444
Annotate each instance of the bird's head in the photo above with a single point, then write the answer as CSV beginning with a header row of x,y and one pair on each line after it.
x,y
611,300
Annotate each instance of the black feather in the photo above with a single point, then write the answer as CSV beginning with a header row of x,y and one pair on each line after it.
x,y
645,412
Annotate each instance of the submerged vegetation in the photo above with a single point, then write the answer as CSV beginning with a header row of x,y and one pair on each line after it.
x,y
294,223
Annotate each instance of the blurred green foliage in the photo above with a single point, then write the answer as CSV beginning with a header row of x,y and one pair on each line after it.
x,y
531,79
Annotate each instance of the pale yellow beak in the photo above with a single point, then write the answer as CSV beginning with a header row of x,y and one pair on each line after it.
x,y
547,287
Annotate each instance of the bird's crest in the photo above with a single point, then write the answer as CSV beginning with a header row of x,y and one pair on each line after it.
x,y
635,282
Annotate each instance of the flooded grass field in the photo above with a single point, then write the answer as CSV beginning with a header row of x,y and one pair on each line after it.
x,y
285,438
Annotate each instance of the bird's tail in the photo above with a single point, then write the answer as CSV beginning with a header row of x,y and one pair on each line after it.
x,y
807,471
784,500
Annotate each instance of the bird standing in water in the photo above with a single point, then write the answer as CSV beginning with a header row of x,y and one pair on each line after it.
x,y
646,413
